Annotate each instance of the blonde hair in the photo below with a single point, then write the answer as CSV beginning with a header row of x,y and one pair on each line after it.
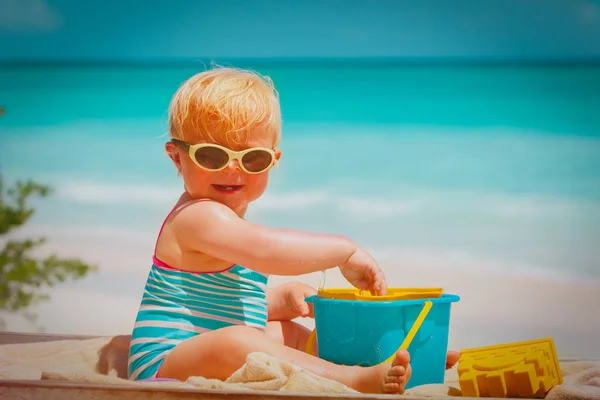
x,y
225,104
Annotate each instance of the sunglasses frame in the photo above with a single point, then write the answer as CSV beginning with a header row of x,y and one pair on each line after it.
x,y
233,155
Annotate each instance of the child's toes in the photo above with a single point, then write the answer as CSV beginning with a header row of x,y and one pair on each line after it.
x,y
395,379
397,370
402,358
392,388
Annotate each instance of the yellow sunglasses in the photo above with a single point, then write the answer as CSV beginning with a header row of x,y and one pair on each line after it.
x,y
212,157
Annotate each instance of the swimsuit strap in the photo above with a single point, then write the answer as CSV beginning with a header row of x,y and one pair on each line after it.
x,y
177,207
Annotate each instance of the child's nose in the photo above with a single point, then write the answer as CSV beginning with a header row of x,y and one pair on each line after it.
x,y
233,166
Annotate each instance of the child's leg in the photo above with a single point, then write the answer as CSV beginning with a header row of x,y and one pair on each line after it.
x,y
294,335
218,354
291,334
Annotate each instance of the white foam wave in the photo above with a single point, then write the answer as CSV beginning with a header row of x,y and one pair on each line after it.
x,y
94,193
292,201
505,205
357,206
367,209
91,233
463,261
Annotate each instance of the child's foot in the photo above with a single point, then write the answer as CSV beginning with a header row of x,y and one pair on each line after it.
x,y
385,378
452,358
398,374
392,378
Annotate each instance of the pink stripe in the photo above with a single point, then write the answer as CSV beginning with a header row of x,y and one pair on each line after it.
x,y
160,264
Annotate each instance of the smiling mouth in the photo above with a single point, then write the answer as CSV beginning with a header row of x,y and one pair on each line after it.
x,y
227,188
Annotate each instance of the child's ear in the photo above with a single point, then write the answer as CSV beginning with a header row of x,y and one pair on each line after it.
x,y
174,155
277,155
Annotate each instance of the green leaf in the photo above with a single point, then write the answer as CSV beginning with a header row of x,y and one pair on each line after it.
x,y
23,277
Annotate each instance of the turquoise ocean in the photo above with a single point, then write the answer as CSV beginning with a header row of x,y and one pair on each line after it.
x,y
486,166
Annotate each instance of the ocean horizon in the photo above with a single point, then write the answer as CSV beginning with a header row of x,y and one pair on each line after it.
x,y
494,169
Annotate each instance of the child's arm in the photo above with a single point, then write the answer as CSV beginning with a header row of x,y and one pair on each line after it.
x,y
214,229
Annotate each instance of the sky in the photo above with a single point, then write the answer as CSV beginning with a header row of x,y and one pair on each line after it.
x,y
132,30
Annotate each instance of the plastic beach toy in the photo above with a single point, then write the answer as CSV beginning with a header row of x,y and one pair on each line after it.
x,y
520,369
357,328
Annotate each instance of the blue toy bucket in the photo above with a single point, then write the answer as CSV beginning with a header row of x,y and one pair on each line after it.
x,y
367,333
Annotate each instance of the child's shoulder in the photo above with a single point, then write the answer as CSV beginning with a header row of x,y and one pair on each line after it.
x,y
201,211
202,221
205,207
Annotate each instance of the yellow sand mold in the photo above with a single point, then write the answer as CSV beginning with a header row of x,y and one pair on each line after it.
x,y
523,369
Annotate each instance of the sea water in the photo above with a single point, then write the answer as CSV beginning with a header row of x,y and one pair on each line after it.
x,y
497,166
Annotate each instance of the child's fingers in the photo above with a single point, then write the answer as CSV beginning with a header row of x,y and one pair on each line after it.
x,y
299,305
383,285
379,285
309,291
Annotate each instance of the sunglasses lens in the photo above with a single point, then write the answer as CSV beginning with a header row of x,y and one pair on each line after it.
x,y
257,160
211,157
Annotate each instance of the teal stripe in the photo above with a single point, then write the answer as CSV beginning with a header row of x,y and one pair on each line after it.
x,y
249,274
220,282
179,314
257,311
198,296
149,370
243,273
172,333
185,287
181,300
154,332
173,283
254,278
184,335
168,333
151,347
204,291
228,282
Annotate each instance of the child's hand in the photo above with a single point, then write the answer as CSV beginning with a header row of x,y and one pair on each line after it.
x,y
295,295
286,301
363,272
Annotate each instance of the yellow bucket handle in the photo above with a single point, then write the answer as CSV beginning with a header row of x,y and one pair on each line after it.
x,y
310,343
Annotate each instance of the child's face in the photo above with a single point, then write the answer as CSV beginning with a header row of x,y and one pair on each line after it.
x,y
230,186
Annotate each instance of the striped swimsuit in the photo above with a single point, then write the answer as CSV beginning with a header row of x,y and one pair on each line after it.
x,y
177,305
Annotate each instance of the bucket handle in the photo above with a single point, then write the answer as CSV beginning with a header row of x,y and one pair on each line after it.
x,y
310,342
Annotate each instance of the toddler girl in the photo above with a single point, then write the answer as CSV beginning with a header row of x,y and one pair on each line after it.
x,y
206,305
